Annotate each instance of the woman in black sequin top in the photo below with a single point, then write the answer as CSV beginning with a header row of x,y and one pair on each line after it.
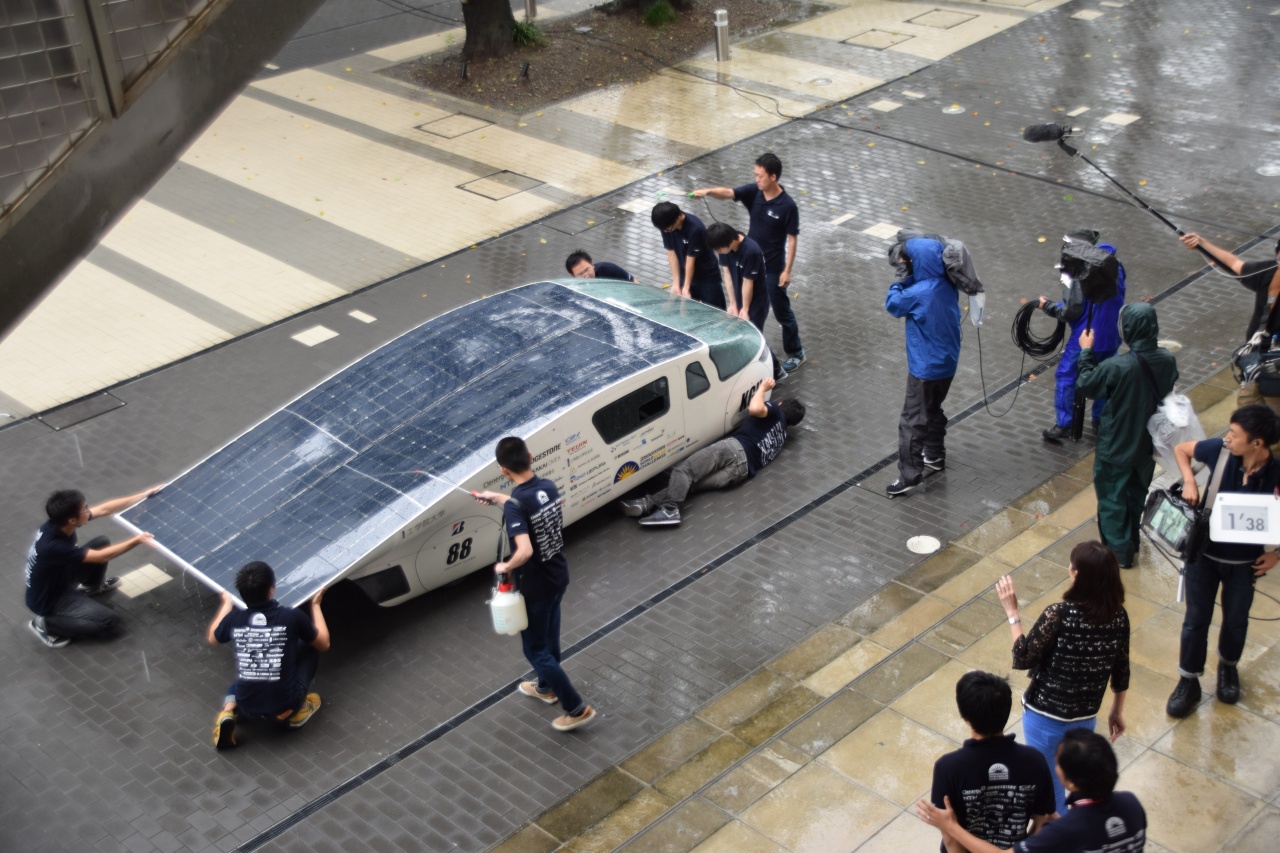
x,y
1074,649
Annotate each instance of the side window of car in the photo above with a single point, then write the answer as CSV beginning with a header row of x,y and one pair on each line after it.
x,y
633,411
695,379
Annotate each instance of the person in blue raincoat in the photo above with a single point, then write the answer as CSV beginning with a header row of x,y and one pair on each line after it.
x,y
1080,313
931,305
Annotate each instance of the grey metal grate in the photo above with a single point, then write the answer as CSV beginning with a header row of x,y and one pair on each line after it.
x,y
47,101
142,30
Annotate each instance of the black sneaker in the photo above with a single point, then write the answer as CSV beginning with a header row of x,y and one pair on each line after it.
x,y
1184,699
1056,434
1228,684
634,507
663,516
51,640
106,586
903,487
938,464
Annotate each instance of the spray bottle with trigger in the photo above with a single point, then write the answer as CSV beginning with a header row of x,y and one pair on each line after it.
x,y
506,607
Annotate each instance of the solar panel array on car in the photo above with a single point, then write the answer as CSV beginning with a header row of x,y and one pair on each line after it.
x,y
322,482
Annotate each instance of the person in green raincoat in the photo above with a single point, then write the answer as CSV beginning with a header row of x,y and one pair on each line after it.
x,y
1124,463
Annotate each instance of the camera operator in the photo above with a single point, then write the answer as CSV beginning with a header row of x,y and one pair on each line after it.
x,y
1080,313
1250,469
931,306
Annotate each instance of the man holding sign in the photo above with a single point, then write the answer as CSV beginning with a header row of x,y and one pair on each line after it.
x,y
1250,469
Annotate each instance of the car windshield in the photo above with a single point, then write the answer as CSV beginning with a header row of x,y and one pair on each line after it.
x,y
733,342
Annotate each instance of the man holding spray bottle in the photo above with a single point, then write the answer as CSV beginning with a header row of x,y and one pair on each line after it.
x,y
534,523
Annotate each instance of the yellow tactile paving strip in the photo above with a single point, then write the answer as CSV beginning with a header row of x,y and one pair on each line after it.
x,y
828,747
356,173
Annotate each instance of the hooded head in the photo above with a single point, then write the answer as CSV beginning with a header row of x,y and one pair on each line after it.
x,y
1139,327
926,258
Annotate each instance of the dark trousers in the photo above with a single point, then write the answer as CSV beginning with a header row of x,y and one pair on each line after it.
x,y
306,663
757,313
922,428
75,614
716,466
1204,576
782,312
541,642
708,291
1122,492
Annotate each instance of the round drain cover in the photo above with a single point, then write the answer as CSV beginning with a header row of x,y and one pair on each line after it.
x,y
923,544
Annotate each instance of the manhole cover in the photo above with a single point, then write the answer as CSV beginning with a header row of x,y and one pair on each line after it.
x,y
954,109
923,544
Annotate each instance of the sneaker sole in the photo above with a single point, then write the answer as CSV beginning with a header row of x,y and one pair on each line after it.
x,y
631,512
644,523
935,466
224,736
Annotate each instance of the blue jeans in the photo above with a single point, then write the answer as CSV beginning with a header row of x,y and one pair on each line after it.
x,y
1044,734
75,614
1203,578
782,312
541,641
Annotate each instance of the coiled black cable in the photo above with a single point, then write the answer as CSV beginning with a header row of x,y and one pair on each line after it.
x,y
1030,343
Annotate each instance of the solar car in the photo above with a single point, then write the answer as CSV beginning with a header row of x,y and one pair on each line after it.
x,y
367,475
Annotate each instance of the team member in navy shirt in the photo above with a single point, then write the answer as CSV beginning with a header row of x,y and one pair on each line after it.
x,y
1098,819
742,267
1000,790
277,654
534,524
1250,468
694,271
755,444
61,575
775,226
580,265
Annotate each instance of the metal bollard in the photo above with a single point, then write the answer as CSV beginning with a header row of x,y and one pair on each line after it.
x,y
530,9
722,35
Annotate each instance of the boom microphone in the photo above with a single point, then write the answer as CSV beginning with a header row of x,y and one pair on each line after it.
x,y
1048,132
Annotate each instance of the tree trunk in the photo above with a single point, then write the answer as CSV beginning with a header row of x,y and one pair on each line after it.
x,y
489,25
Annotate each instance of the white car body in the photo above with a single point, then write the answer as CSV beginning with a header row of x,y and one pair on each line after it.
x,y
367,476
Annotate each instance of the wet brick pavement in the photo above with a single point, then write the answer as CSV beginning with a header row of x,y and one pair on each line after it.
x,y
419,746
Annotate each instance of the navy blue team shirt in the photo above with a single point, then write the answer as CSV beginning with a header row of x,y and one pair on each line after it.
x,y
771,223
762,438
748,262
691,239
534,510
53,567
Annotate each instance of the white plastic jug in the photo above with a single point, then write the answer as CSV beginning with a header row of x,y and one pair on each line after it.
x,y
507,609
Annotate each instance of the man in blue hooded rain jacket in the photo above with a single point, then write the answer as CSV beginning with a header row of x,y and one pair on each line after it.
x,y
931,306
1104,318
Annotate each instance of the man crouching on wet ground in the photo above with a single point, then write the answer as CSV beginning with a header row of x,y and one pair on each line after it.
x,y
277,654
729,461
